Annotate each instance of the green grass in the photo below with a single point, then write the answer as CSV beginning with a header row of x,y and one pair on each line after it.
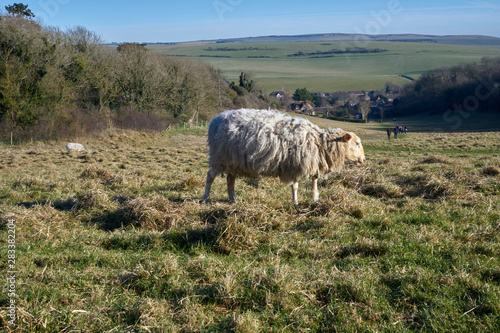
x,y
328,38
449,122
341,72
432,124
331,84
115,239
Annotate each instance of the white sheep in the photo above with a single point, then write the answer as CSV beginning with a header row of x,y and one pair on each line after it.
x,y
257,143
74,147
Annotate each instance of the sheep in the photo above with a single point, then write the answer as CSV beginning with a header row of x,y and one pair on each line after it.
x,y
253,143
74,147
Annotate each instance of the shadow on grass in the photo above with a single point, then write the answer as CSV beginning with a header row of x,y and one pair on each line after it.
x,y
198,238
491,275
223,324
213,216
309,225
365,250
130,315
134,242
207,236
111,221
343,292
61,205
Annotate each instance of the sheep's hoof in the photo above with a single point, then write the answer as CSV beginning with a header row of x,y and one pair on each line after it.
x,y
205,200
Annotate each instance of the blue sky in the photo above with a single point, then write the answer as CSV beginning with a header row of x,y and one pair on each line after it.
x,y
176,21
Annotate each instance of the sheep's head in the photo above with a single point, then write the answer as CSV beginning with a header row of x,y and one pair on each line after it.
x,y
354,148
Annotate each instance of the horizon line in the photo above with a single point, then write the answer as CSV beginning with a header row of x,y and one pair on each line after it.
x,y
302,35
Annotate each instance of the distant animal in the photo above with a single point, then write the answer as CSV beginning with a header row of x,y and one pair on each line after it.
x,y
74,147
255,143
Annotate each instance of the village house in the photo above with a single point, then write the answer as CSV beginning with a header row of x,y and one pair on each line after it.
x,y
323,111
388,106
306,108
278,94
358,95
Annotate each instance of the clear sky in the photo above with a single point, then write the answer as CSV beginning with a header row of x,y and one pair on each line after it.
x,y
188,20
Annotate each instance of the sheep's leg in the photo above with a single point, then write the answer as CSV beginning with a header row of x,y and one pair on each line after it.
x,y
230,187
295,187
211,174
315,193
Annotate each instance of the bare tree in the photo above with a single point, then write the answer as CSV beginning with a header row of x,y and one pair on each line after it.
x,y
364,107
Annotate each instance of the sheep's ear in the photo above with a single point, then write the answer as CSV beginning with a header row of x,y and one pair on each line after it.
x,y
347,137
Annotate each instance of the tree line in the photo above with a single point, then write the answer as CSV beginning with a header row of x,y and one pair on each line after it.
x,y
62,83
472,87
348,50
251,48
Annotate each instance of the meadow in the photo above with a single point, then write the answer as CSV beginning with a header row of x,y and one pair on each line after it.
x,y
274,69
114,239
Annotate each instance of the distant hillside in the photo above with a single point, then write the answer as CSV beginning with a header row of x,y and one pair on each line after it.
x,y
337,37
333,65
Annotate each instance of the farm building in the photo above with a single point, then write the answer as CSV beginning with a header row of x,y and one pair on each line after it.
x,y
304,107
278,94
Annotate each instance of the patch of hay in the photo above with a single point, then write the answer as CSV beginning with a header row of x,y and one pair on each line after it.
x,y
491,170
96,172
432,159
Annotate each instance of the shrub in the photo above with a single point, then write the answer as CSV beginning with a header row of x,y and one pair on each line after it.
x,y
46,74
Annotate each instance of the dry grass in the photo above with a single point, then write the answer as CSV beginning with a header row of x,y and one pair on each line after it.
x,y
491,170
434,158
115,238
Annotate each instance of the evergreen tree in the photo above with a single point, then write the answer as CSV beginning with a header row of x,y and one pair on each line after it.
x,y
20,9
246,81
302,94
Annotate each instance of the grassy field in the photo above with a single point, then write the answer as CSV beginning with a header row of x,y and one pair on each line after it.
x,y
454,121
467,40
114,239
340,72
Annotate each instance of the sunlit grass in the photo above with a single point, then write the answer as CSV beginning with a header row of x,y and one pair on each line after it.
x,y
342,72
115,238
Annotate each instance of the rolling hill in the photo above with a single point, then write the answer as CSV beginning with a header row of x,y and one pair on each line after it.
x,y
323,63
476,40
